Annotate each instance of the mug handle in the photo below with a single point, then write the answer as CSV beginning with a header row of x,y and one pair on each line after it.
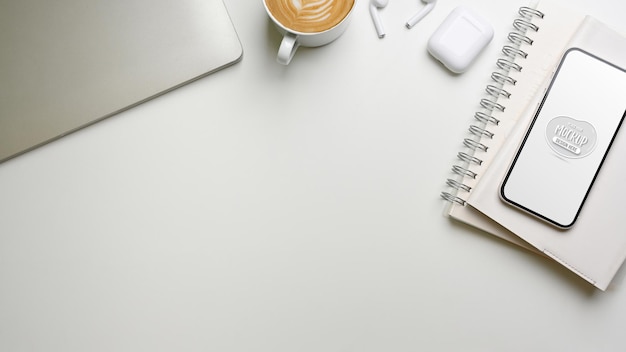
x,y
288,47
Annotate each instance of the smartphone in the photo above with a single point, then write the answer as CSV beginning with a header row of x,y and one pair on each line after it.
x,y
568,139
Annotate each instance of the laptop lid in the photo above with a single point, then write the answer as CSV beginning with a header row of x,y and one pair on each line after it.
x,y
66,64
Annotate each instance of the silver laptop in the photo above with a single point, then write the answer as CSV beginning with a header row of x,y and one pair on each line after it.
x,y
66,64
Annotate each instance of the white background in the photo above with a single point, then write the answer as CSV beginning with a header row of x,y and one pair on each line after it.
x,y
271,208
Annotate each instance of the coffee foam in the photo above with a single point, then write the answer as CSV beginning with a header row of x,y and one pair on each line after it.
x,y
309,16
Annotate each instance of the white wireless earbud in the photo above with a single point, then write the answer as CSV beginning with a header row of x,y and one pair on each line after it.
x,y
374,6
430,4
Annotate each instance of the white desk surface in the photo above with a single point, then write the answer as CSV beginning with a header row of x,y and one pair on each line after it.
x,y
271,208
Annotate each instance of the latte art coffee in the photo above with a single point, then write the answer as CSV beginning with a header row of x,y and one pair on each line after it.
x,y
308,23
309,16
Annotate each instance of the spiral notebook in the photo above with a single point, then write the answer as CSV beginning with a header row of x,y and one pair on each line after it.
x,y
540,35
594,248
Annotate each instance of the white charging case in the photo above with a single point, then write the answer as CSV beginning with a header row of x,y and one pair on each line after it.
x,y
459,39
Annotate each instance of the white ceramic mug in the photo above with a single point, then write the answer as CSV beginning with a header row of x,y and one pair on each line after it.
x,y
293,38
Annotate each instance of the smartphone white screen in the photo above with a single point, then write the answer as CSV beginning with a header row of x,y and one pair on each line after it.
x,y
565,145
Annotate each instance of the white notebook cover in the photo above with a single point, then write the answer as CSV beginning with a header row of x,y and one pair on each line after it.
x,y
595,247
555,30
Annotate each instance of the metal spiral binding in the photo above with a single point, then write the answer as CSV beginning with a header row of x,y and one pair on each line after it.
x,y
491,105
507,65
502,78
528,13
459,170
458,185
512,52
518,38
473,145
523,25
482,117
496,91
480,132
452,198
469,158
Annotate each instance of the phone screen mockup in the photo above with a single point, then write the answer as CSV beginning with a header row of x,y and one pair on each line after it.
x,y
568,139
